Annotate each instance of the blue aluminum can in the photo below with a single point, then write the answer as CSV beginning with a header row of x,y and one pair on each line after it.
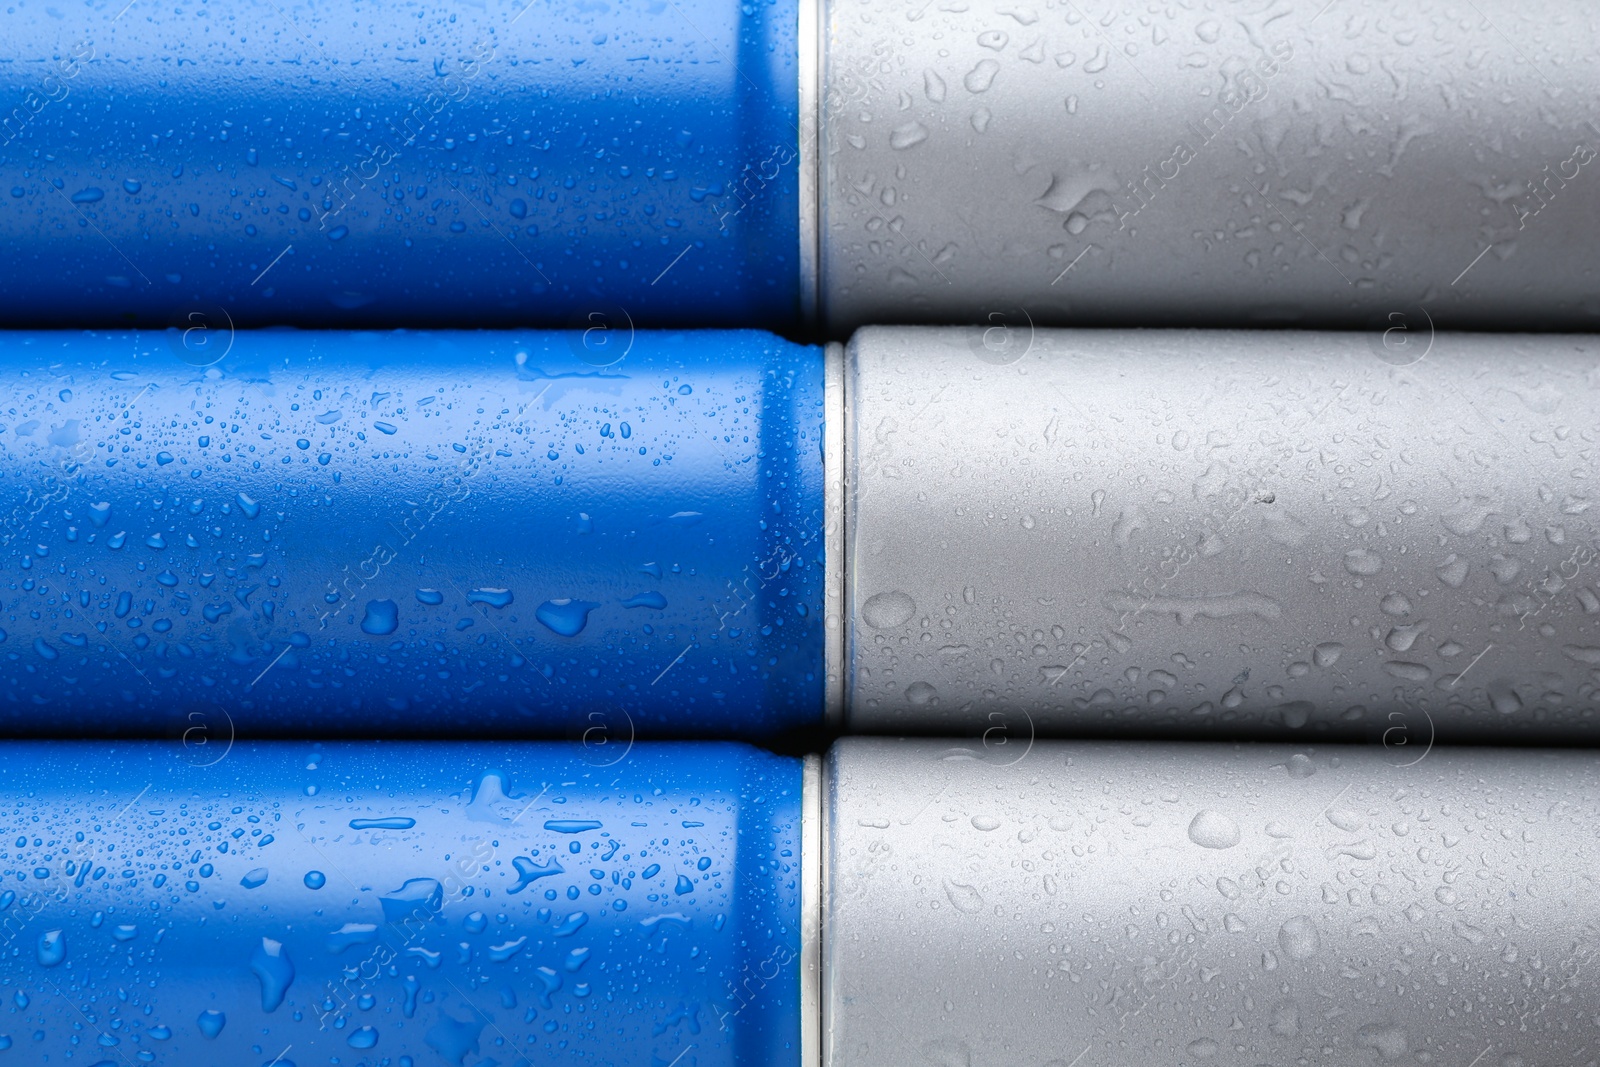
x,y
500,163
400,905
410,533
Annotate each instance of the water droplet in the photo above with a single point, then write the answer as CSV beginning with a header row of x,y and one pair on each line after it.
x,y
1301,766
366,1037
980,77
381,619
1391,1043
529,872
430,597
1298,938
908,136
52,948
570,925
1469,515
211,1022
1344,819
572,826
1452,570
271,964
315,879
495,598
887,611
1409,672
920,693
565,617
91,195
505,950
1503,698
1395,604
1360,561
254,878
1068,190
964,898
416,896
393,822
248,505
1212,829
1401,638
131,185
351,934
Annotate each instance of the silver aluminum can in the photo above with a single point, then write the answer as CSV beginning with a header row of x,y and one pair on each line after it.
x,y
1128,905
1306,162
1269,534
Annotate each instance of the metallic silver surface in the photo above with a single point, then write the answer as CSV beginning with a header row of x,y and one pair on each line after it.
x,y
1316,162
809,39
1140,905
835,465
811,904
1260,533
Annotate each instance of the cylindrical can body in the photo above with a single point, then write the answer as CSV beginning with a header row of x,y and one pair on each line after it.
x,y
1141,904
1174,533
687,163
412,533
358,165
1309,163
400,904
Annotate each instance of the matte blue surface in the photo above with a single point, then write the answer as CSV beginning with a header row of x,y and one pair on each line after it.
x,y
452,534
399,905
460,165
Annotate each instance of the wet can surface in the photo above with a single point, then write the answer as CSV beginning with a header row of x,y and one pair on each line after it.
x,y
499,164
1307,164
400,904
411,533
1125,903
1188,533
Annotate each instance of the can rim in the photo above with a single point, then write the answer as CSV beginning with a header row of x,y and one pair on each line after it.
x,y
810,71
835,410
811,904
